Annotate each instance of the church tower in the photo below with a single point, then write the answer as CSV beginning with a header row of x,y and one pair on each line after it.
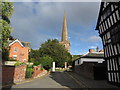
x,y
64,39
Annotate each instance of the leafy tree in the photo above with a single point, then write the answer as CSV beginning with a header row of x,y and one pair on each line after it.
x,y
46,62
74,57
56,51
34,56
6,10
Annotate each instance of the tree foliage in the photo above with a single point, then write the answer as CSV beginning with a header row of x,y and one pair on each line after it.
x,y
34,56
74,57
46,62
6,10
56,51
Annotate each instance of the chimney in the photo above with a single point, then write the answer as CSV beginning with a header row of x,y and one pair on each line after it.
x,y
91,50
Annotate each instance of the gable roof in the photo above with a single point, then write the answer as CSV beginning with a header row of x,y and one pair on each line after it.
x,y
93,55
16,41
115,2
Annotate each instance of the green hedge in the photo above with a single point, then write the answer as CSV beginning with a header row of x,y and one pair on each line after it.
x,y
29,71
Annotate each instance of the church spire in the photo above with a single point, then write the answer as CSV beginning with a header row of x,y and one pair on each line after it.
x,y
64,41
64,29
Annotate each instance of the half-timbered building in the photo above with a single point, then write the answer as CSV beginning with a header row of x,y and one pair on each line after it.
x,y
108,26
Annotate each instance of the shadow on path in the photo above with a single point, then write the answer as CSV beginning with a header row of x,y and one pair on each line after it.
x,y
65,80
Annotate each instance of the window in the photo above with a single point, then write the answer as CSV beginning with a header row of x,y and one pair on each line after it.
x,y
14,56
24,60
15,49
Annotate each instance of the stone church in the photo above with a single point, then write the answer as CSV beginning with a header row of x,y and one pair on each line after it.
x,y
64,39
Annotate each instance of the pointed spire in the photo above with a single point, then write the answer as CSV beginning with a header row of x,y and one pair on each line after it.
x,y
64,29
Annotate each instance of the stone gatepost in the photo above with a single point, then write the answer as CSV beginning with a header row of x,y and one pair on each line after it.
x,y
53,68
65,65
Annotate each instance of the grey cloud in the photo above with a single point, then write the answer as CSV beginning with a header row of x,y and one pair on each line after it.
x,y
36,22
93,39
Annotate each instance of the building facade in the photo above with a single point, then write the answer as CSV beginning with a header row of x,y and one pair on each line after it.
x,y
108,26
91,56
91,65
19,50
64,40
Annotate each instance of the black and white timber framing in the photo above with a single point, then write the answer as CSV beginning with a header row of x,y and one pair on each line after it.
x,y
108,26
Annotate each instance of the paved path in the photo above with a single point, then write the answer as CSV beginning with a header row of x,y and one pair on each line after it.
x,y
64,80
54,80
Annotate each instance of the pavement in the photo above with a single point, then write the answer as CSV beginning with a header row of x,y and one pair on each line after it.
x,y
64,80
90,83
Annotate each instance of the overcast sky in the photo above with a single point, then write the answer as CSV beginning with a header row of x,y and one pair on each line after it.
x,y
36,22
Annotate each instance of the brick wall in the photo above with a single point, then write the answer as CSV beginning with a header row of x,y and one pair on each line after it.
x,y
12,74
19,74
37,72
86,69
91,70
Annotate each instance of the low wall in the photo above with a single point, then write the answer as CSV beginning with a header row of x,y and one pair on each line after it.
x,y
7,74
13,74
37,72
85,69
91,70
20,73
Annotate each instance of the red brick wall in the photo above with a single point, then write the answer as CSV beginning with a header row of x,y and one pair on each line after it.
x,y
12,74
20,72
37,72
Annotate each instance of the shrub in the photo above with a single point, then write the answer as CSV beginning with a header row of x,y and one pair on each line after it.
x,y
41,67
11,59
46,62
17,63
29,71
